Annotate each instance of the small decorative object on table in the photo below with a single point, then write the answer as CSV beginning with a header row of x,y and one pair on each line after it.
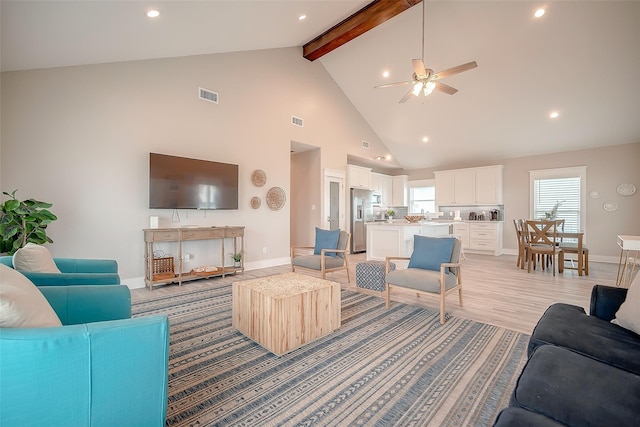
x,y
414,218
390,214
237,259
163,268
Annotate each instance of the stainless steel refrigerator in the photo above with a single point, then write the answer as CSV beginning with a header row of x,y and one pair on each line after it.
x,y
361,213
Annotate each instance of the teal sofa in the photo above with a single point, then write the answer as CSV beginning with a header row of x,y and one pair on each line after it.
x,y
74,271
101,368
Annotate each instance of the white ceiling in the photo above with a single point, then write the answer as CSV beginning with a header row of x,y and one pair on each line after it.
x,y
582,59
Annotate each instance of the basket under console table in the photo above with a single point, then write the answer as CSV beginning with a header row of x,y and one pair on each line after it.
x,y
160,270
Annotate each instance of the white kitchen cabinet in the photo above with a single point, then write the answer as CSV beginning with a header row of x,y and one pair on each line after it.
x,y
400,184
359,177
445,188
461,229
485,237
489,185
383,185
471,186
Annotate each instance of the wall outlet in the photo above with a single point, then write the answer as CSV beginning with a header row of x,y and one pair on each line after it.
x,y
264,250
186,257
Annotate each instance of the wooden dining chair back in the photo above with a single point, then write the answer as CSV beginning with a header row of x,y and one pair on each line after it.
x,y
541,236
522,246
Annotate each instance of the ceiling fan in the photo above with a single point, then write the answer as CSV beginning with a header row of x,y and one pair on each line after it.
x,y
424,80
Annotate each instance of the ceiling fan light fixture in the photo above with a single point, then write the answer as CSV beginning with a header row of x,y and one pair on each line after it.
x,y
417,88
428,88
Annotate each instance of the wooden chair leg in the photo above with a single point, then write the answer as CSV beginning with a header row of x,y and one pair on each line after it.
x,y
388,296
442,308
586,263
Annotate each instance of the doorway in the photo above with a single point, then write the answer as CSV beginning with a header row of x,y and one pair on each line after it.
x,y
334,200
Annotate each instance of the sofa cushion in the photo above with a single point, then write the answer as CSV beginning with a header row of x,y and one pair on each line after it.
x,y
22,305
313,262
326,239
518,417
430,252
569,326
628,316
576,390
34,258
422,280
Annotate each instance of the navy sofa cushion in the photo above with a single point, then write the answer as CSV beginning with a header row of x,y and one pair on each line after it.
x,y
577,390
518,417
606,301
569,326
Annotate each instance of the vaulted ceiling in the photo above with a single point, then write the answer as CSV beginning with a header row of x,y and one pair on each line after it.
x,y
581,59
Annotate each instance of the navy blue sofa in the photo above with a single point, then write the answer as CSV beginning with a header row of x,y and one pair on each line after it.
x,y
582,369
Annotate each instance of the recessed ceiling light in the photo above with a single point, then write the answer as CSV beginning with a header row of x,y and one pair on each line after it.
x,y
425,139
388,157
385,74
153,13
539,13
302,17
554,114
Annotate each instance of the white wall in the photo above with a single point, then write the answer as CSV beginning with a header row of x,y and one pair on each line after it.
x,y
79,137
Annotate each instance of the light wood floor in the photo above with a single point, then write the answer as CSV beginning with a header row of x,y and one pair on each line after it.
x,y
495,291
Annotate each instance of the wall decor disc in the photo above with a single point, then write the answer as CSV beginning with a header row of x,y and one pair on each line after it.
x,y
255,202
258,178
610,206
594,194
276,198
626,189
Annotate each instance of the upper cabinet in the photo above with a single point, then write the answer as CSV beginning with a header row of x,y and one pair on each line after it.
x,y
382,185
472,186
359,177
400,184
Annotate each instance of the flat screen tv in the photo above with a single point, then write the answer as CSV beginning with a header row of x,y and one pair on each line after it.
x,y
182,183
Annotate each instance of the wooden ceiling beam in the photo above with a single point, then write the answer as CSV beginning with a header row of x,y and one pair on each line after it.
x,y
370,16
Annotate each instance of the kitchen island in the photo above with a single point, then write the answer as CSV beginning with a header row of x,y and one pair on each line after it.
x,y
396,238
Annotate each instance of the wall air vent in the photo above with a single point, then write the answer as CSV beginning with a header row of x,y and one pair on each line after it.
x,y
366,144
208,95
296,121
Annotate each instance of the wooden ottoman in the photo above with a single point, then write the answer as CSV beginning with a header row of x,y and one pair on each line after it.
x,y
285,311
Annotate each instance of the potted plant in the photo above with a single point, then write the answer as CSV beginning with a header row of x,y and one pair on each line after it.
x,y
237,259
390,214
23,222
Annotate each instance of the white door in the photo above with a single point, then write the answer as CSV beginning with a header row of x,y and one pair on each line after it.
x,y
334,200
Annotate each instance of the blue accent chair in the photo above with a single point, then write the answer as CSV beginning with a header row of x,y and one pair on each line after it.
x,y
74,271
101,368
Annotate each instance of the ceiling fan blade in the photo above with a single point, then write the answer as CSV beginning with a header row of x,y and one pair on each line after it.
x,y
393,84
419,68
455,70
445,88
406,96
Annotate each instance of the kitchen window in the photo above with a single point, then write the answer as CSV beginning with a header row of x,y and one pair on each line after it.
x,y
422,197
560,192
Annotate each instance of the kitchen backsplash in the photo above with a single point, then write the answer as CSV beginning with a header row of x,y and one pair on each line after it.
x,y
472,210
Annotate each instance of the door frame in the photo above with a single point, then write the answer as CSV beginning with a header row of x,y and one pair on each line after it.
x,y
333,175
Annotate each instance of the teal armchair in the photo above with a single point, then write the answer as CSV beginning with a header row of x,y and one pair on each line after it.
x,y
101,368
74,271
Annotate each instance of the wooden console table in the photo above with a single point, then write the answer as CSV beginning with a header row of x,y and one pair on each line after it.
x,y
180,235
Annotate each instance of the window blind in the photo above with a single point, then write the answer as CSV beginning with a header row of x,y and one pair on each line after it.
x,y
564,192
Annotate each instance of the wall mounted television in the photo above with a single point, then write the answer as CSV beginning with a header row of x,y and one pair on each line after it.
x,y
183,183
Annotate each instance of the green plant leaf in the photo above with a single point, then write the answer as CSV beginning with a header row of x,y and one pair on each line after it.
x,y
11,205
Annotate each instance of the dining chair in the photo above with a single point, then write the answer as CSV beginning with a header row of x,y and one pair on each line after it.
x,y
522,246
541,236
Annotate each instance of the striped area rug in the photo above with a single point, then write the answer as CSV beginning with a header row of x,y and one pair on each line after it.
x,y
396,367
